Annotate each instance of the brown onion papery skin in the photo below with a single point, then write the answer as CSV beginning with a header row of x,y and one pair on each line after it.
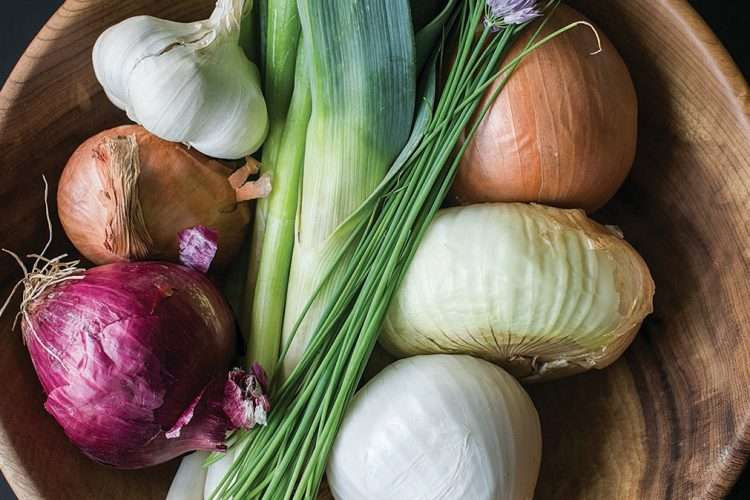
x,y
179,188
562,132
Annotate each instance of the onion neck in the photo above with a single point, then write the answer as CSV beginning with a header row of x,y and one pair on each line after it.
x,y
235,401
126,234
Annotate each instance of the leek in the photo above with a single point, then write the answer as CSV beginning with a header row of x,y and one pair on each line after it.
x,y
362,61
270,255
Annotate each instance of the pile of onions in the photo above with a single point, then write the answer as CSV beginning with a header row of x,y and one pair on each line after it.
x,y
562,132
125,194
134,358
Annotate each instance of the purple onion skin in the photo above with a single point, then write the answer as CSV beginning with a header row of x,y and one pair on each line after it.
x,y
198,247
136,344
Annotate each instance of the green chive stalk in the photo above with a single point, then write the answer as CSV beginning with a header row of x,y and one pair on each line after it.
x,y
287,458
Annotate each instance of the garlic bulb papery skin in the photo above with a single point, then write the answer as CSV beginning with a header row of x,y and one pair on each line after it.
x,y
439,427
186,82
544,292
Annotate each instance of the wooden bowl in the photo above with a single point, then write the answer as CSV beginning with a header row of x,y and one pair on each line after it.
x,y
671,419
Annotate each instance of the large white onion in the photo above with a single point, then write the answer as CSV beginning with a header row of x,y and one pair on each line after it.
x,y
542,291
438,428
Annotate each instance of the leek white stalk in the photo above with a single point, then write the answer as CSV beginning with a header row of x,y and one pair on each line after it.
x,y
190,479
278,214
283,154
196,481
438,428
545,292
186,82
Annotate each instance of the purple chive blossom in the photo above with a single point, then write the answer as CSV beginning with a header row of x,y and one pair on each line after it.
x,y
508,12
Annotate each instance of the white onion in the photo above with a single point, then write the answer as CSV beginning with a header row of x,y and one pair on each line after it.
x,y
438,428
544,292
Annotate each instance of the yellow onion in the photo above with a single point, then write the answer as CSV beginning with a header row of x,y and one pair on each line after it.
x,y
125,194
542,291
562,132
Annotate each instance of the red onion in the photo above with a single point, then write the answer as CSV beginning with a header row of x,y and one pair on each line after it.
x,y
198,247
133,357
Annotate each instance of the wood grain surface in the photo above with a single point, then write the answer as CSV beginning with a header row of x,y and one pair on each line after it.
x,y
670,420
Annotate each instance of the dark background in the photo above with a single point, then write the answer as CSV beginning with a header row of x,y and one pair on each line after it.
x,y
21,20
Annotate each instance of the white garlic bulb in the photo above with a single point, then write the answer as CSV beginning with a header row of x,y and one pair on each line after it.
x,y
438,427
186,82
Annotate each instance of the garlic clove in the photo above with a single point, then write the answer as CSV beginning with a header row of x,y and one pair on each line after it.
x,y
232,124
219,124
165,94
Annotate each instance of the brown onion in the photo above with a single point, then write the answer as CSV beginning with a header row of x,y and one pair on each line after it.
x,y
562,132
125,194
